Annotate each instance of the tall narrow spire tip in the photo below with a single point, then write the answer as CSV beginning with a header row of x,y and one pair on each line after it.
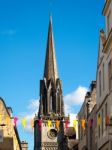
x,y
51,18
50,70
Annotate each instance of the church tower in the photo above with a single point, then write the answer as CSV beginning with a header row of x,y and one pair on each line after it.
x,y
51,106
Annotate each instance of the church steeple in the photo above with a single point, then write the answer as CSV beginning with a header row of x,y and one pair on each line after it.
x,y
50,70
51,104
51,98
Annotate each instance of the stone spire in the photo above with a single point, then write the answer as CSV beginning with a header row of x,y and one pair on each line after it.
x,y
50,70
51,98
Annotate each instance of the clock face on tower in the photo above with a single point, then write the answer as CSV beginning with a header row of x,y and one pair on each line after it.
x,y
52,133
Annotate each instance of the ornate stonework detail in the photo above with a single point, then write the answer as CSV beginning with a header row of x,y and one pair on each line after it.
x,y
50,144
51,105
51,98
52,134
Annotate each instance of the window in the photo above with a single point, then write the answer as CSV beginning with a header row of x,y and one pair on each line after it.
x,y
102,122
79,134
108,22
110,74
105,113
100,83
103,71
99,127
91,134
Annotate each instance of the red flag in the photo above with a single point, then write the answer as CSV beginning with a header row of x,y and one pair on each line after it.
x,y
40,123
15,121
66,123
107,120
90,123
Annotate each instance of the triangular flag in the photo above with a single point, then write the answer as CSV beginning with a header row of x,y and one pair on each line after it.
x,y
107,120
32,123
15,121
8,120
57,124
1,119
99,120
90,123
83,121
66,123
40,122
24,121
75,122
49,123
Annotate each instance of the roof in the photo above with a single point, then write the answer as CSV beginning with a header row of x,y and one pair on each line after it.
x,y
70,132
5,105
50,70
107,3
72,144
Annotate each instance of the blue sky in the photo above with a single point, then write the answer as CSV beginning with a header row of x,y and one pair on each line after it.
x,y
23,37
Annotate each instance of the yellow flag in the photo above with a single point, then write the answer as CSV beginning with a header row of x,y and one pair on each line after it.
x,y
57,124
75,124
1,119
32,123
83,124
7,120
49,123
24,123
99,120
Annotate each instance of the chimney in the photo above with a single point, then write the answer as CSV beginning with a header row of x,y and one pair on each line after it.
x,y
24,145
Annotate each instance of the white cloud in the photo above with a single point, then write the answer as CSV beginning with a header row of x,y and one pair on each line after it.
x,y
31,110
71,101
34,104
8,32
72,117
67,109
74,98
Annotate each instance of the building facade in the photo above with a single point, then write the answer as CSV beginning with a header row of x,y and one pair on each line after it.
x,y
92,119
98,132
9,137
87,127
51,107
82,115
104,81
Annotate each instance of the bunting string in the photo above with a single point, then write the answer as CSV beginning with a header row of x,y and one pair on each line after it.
x,y
83,122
